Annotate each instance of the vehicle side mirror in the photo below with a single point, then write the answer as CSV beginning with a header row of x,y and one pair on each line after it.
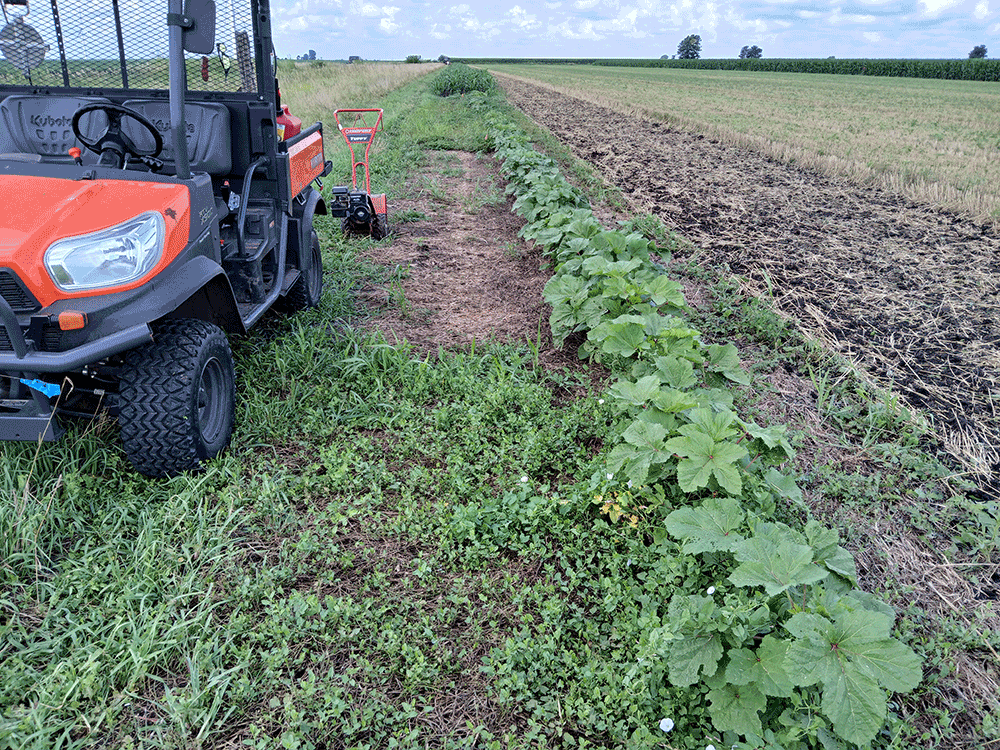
x,y
200,36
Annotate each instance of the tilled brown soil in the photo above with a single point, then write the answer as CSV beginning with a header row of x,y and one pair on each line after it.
x,y
909,293
465,275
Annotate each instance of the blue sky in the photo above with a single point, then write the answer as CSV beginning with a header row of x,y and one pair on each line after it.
x,y
393,29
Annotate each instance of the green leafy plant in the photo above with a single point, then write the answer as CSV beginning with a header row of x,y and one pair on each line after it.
x,y
461,79
799,634
795,656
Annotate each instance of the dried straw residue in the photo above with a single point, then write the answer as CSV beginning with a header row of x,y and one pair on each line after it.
x,y
941,591
909,292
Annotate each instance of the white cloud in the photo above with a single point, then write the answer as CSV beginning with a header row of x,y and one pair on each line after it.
x,y
522,19
585,4
306,6
307,23
756,25
807,13
300,23
836,17
933,7
872,36
440,31
483,30
388,23
628,18
709,19
307,14
386,14
625,24
582,30
982,10
468,25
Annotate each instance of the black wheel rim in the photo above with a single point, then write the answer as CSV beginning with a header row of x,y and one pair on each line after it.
x,y
211,395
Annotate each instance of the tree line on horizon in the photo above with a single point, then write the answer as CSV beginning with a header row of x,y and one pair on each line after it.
x,y
955,69
690,49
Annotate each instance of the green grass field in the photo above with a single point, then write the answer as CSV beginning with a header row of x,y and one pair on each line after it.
x,y
934,140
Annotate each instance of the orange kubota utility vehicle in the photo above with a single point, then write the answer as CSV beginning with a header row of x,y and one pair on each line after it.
x,y
155,197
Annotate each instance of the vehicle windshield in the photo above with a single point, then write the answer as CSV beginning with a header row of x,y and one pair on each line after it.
x,y
118,44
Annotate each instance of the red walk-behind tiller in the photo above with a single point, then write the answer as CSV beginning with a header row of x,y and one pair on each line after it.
x,y
360,211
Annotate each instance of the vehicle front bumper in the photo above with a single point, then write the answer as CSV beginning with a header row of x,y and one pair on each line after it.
x,y
27,413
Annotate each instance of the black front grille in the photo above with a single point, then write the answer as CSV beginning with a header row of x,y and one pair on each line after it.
x,y
51,339
12,290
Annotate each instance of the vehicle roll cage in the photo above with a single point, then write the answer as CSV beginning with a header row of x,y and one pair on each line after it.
x,y
191,29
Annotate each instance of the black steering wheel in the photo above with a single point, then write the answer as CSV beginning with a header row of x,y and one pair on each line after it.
x,y
113,143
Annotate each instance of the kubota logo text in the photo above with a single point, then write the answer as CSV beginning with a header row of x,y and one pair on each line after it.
x,y
164,126
48,121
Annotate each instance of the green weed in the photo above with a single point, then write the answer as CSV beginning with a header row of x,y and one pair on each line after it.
x,y
408,215
461,79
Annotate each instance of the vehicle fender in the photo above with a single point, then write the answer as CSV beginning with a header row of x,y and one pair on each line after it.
x,y
195,286
302,221
200,290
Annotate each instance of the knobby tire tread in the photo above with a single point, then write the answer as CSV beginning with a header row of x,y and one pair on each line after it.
x,y
378,227
154,389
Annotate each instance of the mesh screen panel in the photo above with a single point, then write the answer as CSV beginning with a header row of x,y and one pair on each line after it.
x,y
122,44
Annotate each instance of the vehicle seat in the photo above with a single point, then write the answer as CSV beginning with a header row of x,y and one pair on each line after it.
x,y
44,125
208,137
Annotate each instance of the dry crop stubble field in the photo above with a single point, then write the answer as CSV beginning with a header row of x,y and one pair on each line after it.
x,y
907,291
929,140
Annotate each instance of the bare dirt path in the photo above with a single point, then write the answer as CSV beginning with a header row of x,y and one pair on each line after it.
x,y
910,293
464,274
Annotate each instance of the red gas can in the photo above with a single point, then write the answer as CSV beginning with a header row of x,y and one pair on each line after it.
x,y
288,124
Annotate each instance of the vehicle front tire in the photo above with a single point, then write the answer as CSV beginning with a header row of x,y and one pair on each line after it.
x,y
178,398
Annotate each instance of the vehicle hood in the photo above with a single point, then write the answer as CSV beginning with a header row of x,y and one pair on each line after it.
x,y
37,211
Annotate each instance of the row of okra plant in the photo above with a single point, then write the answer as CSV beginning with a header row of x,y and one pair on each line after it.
x,y
785,651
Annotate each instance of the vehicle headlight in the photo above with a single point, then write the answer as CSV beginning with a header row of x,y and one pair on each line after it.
x,y
110,257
